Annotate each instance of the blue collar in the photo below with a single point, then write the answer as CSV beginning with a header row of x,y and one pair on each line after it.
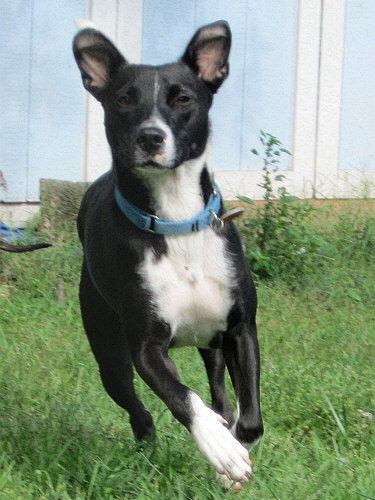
x,y
152,223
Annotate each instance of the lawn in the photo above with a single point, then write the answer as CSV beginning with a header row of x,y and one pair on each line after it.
x,y
61,436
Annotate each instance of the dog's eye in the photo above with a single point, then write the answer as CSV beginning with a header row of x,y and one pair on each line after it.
x,y
183,99
124,100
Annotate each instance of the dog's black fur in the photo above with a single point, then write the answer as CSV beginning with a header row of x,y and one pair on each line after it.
x,y
120,321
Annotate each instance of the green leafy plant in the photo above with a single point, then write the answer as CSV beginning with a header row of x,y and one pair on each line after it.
x,y
279,238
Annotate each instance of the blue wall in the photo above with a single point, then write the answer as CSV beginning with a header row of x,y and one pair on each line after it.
x,y
357,137
41,97
259,93
42,102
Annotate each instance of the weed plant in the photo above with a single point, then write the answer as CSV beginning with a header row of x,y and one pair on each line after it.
x,y
287,238
279,235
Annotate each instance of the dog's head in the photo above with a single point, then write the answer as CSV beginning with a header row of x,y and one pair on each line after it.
x,y
155,116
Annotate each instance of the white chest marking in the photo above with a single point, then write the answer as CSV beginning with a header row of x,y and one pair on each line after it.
x,y
191,285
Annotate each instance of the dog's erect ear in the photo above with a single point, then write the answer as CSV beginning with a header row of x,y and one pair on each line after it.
x,y
207,53
97,58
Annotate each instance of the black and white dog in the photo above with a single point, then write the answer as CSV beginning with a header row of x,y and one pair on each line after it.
x,y
157,272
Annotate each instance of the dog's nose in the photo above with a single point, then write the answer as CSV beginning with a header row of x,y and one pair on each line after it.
x,y
150,139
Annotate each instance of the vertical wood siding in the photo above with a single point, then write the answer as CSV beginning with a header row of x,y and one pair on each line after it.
x,y
47,130
357,134
42,103
15,68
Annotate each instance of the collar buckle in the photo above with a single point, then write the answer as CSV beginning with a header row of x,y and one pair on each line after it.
x,y
216,223
152,224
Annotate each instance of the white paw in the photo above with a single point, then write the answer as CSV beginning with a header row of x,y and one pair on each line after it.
x,y
217,443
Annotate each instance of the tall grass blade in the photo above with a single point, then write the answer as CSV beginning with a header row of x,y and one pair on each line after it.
x,y
334,413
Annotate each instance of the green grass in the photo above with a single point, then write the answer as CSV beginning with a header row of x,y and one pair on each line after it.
x,y
61,437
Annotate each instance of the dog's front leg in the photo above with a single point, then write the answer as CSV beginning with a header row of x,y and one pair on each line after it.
x,y
241,353
214,440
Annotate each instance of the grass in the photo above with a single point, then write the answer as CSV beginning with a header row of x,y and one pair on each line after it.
x,y
61,437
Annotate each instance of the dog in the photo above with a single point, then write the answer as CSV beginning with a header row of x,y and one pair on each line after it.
x,y
162,267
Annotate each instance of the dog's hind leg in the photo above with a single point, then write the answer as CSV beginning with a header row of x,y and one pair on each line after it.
x,y
111,351
215,366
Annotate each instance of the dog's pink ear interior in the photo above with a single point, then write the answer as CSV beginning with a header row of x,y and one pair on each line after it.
x,y
95,68
97,59
207,53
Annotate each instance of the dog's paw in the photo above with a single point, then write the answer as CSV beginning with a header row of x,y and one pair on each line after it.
x,y
229,484
217,443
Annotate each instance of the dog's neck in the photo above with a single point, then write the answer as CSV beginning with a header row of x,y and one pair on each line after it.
x,y
175,195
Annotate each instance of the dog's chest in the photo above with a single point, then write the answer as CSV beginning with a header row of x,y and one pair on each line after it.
x,y
191,286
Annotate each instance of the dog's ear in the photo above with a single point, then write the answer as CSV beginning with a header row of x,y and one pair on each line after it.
x,y
97,58
207,53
